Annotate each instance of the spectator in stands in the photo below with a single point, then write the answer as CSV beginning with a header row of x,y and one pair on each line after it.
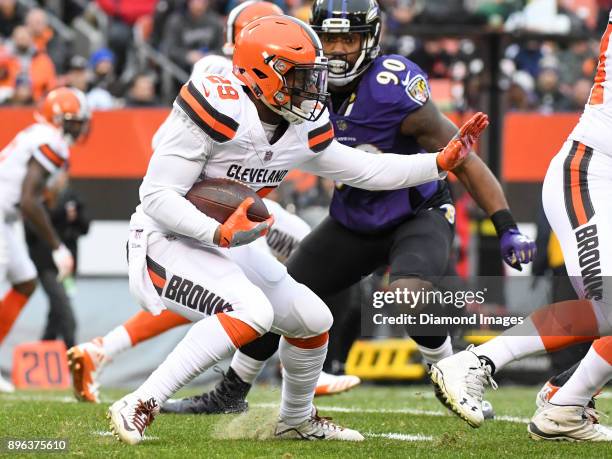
x,y
9,67
231,4
402,12
77,76
122,16
189,37
527,56
302,10
520,95
11,15
550,98
580,94
433,58
23,92
102,63
579,61
45,39
142,92
163,11
36,68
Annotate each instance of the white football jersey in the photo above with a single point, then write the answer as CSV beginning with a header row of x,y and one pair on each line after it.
x,y
595,126
218,65
40,141
286,233
214,131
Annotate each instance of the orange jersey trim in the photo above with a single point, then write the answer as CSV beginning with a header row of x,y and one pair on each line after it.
x,y
218,126
51,155
320,138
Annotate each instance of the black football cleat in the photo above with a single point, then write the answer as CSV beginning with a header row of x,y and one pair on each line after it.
x,y
228,396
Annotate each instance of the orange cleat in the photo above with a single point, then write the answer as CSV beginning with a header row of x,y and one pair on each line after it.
x,y
331,384
85,362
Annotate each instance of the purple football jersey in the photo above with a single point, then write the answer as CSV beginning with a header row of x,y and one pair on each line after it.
x,y
370,119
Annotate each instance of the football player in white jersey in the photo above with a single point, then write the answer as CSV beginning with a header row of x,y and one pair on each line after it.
x,y
252,127
576,198
86,360
35,154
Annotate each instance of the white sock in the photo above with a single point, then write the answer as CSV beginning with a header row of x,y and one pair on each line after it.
x,y
301,370
116,341
205,343
506,348
247,368
432,356
590,376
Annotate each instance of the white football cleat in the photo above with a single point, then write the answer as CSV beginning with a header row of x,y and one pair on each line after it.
x,y
130,417
329,384
85,362
6,386
566,423
316,428
547,392
460,379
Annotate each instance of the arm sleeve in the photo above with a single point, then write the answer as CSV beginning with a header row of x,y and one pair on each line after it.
x,y
370,171
175,166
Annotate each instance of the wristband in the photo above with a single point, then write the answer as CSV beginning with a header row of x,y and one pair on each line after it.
x,y
503,221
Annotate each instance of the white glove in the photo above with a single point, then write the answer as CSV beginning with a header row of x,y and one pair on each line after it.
x,y
63,262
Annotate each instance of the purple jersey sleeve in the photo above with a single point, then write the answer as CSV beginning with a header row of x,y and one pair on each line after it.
x,y
397,82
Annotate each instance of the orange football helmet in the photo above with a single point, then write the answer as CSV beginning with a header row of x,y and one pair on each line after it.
x,y
66,109
280,59
241,15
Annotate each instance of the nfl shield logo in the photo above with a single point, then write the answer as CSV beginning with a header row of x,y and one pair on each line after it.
x,y
342,125
268,155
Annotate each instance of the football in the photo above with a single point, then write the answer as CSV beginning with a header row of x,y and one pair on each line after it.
x,y
219,198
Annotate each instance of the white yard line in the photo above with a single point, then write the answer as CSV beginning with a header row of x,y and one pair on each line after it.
x,y
400,436
106,433
412,411
38,398
333,409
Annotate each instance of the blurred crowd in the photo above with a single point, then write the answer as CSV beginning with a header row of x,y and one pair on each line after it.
x,y
90,44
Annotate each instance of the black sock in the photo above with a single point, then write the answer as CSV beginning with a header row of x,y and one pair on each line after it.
x,y
431,342
262,348
487,361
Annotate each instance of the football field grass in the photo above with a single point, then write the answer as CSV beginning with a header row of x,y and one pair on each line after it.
x,y
398,422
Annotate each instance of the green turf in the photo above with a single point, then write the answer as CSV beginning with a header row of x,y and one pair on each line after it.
x,y
371,410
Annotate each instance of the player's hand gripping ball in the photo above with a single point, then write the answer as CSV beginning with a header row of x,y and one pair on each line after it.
x,y
241,212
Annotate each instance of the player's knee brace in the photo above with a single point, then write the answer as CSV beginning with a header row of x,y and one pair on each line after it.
x,y
312,313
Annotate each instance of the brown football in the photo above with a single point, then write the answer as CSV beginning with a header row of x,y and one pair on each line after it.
x,y
219,198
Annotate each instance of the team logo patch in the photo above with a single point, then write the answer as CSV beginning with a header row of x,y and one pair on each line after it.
x,y
268,155
342,125
417,90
